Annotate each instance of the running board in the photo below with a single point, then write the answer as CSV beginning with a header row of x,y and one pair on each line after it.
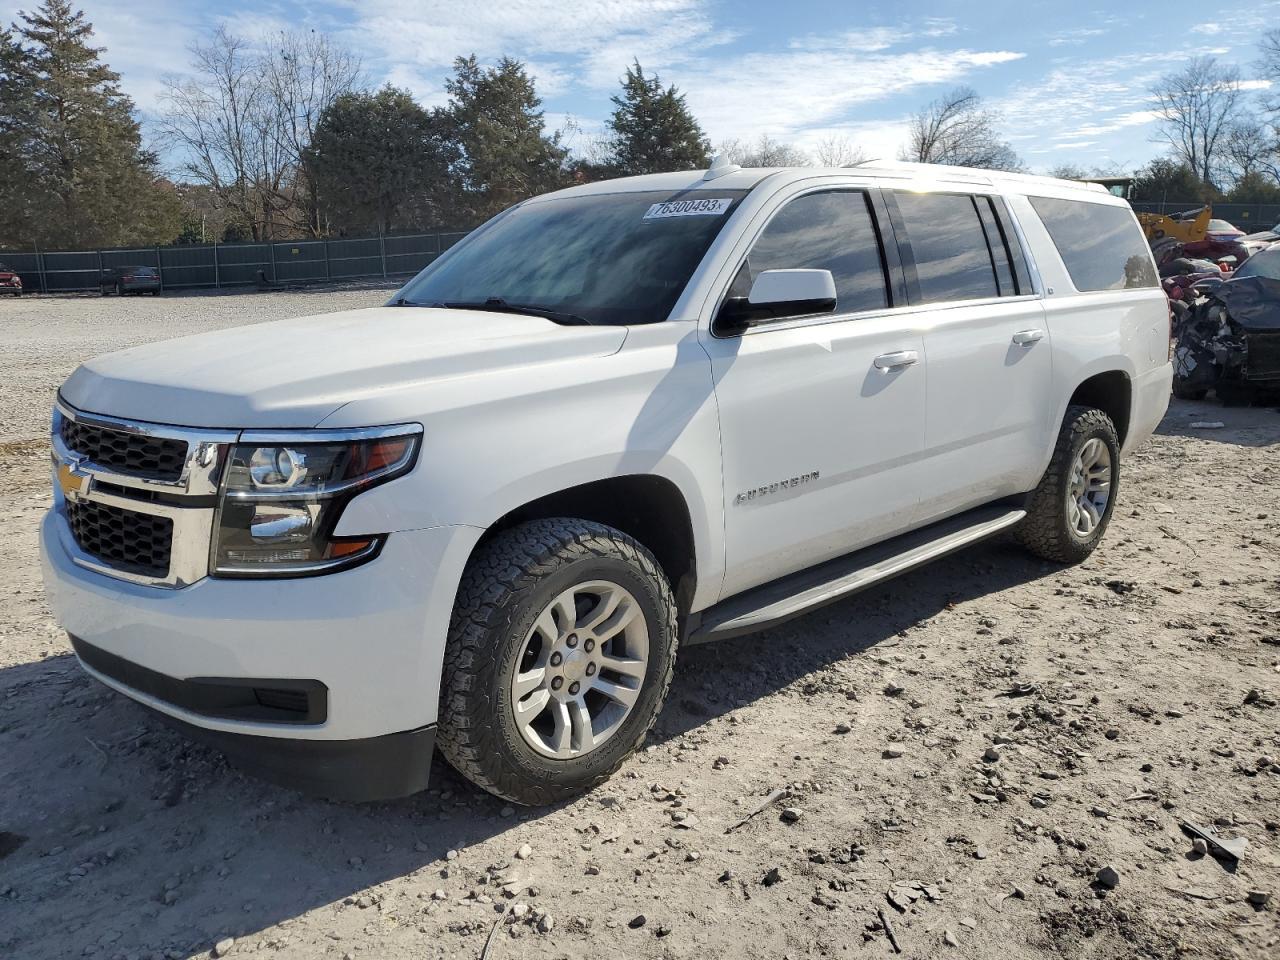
x,y
774,603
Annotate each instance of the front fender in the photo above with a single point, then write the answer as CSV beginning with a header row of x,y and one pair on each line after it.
x,y
492,444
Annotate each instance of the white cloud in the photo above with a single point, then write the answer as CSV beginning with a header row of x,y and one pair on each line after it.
x,y
143,41
590,41
1076,37
785,94
1209,27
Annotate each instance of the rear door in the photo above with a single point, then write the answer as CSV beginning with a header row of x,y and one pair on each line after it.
x,y
987,345
821,417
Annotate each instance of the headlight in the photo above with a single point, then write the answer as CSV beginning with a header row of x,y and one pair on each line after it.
x,y
283,494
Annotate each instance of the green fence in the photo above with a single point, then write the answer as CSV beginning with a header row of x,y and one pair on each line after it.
x,y
1249,217
190,266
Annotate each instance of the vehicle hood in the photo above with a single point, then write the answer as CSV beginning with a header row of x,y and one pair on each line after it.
x,y
1252,302
295,373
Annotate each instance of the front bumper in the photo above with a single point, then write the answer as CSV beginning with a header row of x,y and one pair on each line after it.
x,y
370,768
373,637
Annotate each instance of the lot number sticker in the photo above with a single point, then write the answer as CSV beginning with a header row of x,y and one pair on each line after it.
x,y
687,208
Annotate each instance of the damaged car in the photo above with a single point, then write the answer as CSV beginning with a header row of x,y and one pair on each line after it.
x,y
1228,341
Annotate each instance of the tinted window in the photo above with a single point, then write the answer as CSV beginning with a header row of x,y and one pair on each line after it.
x,y
953,261
1101,245
824,231
611,258
1264,263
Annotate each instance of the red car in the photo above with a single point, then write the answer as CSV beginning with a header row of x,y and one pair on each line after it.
x,y
10,282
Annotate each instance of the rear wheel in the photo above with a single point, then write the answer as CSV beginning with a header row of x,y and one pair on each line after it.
x,y
1068,512
559,657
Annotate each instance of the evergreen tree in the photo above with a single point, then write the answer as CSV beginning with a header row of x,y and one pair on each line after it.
x,y
379,161
71,144
653,130
505,155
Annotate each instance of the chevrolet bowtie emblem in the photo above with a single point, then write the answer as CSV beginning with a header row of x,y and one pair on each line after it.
x,y
73,484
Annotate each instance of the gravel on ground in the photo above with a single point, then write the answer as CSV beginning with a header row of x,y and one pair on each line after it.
x,y
988,758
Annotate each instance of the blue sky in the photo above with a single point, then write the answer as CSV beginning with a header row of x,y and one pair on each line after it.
x,y
1071,80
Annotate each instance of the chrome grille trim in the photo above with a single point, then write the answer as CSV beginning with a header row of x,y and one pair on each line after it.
x,y
79,478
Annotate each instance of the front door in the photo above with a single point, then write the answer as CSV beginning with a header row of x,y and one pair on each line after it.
x,y
822,417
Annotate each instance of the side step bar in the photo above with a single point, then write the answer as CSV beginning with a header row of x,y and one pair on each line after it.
x,y
774,603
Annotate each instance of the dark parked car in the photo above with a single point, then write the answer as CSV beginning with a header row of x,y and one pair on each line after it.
x,y
122,280
1229,341
10,282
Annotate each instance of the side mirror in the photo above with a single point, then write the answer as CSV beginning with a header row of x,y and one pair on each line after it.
x,y
781,293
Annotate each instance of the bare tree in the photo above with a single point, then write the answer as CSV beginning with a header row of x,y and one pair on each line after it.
x,y
305,73
219,120
1269,69
957,130
243,118
839,151
1250,148
1198,106
764,152
1067,171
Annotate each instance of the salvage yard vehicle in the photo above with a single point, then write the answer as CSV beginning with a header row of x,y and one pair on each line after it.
x,y
615,419
124,280
1228,339
10,281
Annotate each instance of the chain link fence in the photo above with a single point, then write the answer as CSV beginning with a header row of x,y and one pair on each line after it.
x,y
191,266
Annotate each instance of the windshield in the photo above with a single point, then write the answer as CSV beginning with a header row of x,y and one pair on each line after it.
x,y
1264,263
615,258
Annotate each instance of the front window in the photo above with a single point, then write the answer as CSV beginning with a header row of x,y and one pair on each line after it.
x,y
618,258
1264,263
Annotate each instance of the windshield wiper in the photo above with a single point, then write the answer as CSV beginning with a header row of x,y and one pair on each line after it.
x,y
498,305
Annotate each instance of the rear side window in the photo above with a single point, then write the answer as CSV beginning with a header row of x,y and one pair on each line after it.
x,y
1101,245
832,230
949,242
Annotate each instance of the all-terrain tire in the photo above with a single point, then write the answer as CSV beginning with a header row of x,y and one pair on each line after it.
x,y
1045,530
505,587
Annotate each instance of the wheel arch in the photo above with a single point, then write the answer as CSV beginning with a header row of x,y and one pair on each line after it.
x,y
648,507
1110,391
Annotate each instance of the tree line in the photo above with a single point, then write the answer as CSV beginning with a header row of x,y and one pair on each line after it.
x,y
282,137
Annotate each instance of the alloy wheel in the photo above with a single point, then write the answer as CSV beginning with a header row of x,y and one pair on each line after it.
x,y
581,669
1089,488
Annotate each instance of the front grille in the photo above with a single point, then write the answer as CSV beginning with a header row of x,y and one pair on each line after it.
x,y
158,458
130,541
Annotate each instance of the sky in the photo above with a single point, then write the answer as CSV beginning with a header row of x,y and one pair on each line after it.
x,y
1070,80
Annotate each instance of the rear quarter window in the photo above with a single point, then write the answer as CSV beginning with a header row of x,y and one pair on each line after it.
x,y
1100,244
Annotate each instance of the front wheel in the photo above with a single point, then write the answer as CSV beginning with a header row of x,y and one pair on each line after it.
x,y
1070,509
559,657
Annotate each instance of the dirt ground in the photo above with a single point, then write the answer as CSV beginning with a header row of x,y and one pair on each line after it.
x,y
963,750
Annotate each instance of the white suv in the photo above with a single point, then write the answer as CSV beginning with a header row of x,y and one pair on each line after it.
x,y
614,419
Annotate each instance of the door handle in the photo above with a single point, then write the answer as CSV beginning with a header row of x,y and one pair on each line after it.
x,y
895,361
1025,338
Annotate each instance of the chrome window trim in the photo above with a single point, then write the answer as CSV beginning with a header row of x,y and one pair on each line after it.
x,y
819,319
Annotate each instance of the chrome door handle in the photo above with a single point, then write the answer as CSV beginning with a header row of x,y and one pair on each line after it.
x,y
1025,338
894,361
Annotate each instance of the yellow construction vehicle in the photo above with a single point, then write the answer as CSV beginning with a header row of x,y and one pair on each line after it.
x,y
1189,227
